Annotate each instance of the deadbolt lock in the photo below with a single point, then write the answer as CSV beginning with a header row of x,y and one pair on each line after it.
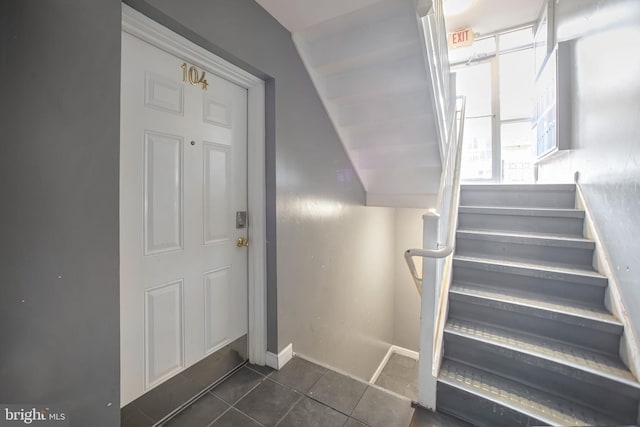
x,y
242,241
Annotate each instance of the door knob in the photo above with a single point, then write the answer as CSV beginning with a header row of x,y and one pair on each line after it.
x,y
242,242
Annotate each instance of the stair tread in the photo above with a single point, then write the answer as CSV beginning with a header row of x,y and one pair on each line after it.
x,y
560,239
577,357
537,301
533,266
519,187
534,403
525,262
522,211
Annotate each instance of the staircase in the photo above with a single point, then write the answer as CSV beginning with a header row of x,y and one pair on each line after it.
x,y
370,69
528,340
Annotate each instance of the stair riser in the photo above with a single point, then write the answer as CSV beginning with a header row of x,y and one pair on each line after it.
x,y
579,292
557,328
381,38
357,82
479,411
521,199
531,224
596,392
523,252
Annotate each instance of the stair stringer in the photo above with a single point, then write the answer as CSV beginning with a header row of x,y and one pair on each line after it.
x,y
369,70
629,352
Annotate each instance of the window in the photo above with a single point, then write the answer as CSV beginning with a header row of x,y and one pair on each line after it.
x,y
496,76
516,85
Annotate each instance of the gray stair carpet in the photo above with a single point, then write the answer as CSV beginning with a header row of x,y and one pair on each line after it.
x,y
528,339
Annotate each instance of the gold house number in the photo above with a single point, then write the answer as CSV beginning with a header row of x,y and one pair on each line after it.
x,y
193,76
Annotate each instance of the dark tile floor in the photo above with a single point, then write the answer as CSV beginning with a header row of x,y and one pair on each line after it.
x,y
302,394
400,375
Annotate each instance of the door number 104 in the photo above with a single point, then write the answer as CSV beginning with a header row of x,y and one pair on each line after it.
x,y
193,76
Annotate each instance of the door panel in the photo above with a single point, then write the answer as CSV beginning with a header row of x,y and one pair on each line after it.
x,y
164,94
217,192
183,175
217,292
217,111
163,193
164,332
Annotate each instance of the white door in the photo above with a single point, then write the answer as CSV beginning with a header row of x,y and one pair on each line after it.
x,y
183,177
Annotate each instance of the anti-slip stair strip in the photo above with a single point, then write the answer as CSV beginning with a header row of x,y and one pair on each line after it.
x,y
520,398
519,188
576,357
513,259
503,296
527,238
551,272
539,212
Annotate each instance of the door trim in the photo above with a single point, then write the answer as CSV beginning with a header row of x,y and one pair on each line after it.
x,y
144,28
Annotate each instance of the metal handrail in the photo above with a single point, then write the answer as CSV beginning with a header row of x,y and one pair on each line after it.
x,y
447,249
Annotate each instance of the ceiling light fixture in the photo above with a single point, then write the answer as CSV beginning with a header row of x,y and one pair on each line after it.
x,y
456,7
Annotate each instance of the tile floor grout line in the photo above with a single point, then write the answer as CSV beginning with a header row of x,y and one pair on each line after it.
x,y
315,399
356,405
326,404
260,373
293,388
221,415
288,386
233,405
326,371
245,395
250,417
290,409
306,394
237,410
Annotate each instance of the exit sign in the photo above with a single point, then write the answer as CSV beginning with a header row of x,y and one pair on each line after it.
x,y
459,38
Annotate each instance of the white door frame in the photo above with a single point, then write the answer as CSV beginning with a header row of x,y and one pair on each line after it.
x,y
138,25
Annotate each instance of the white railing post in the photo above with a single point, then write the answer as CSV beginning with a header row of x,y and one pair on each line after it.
x,y
427,381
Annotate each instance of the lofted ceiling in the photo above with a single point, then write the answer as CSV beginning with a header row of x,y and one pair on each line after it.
x,y
297,15
368,61
484,16
490,16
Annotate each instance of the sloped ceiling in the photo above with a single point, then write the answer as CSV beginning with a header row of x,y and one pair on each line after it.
x,y
489,16
485,16
297,15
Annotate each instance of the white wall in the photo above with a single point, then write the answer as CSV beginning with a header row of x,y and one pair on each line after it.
x,y
408,235
336,288
606,129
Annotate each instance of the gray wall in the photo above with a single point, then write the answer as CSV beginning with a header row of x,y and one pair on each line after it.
x,y
334,256
59,115
606,129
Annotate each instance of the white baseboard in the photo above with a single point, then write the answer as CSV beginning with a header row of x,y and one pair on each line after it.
x,y
277,361
406,352
381,366
393,349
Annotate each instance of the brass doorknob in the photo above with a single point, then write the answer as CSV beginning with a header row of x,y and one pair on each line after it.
x,y
242,242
